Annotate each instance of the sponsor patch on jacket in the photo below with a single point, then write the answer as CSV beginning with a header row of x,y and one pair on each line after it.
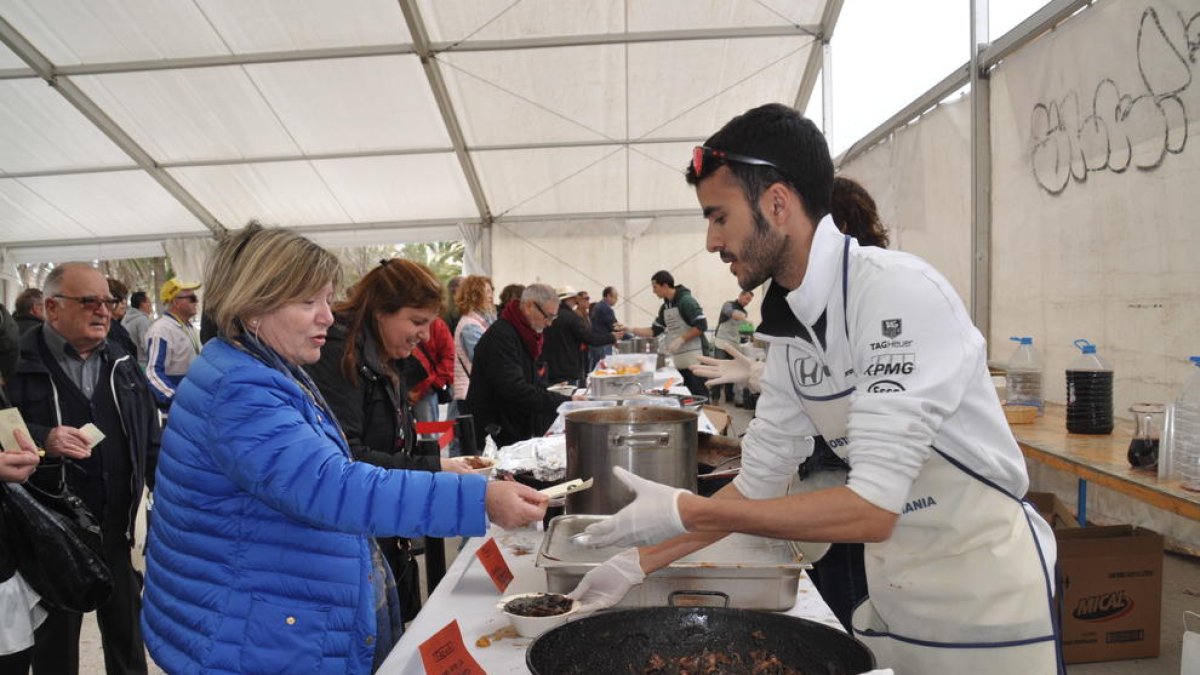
x,y
890,344
892,364
807,371
918,504
884,387
891,328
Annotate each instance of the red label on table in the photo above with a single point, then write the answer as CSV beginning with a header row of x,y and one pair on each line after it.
x,y
445,653
493,561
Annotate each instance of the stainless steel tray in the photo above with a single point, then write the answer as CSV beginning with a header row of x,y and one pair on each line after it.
x,y
755,572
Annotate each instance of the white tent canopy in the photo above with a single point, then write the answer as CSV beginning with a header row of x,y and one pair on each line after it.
x,y
179,119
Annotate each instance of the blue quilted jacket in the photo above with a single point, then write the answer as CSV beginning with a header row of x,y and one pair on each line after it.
x,y
259,551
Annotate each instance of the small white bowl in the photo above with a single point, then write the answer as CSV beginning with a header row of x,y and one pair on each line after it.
x,y
533,626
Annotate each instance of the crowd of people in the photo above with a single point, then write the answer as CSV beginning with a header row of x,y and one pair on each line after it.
x,y
290,481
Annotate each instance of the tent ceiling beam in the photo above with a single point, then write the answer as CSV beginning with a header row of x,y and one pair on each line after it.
x,y
1050,15
433,71
358,154
829,17
406,48
92,112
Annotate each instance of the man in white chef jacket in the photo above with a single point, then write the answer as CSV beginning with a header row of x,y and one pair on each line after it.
x,y
873,351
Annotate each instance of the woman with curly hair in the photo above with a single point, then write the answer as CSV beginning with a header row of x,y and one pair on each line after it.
x,y
477,312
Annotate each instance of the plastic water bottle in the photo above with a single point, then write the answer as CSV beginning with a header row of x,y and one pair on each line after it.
x,y
1089,392
1185,432
1023,375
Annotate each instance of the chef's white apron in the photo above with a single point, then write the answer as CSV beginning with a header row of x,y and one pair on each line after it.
x,y
688,354
961,585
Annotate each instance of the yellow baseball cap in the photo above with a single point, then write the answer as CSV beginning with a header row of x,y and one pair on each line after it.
x,y
174,286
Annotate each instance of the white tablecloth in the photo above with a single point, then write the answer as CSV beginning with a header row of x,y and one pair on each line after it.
x,y
467,594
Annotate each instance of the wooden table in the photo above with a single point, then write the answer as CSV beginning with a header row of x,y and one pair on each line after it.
x,y
1101,460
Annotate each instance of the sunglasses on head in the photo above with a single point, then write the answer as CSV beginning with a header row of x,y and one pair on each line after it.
x,y
91,302
703,156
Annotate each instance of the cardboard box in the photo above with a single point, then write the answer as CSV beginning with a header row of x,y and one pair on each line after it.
x,y
717,415
1110,592
1052,509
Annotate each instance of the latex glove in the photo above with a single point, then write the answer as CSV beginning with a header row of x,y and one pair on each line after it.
x,y
739,370
653,516
675,346
606,584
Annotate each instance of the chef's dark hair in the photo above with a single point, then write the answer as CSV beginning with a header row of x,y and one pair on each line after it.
x,y
782,136
663,278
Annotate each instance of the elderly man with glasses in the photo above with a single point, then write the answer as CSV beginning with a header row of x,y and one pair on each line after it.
x,y
172,341
508,393
70,376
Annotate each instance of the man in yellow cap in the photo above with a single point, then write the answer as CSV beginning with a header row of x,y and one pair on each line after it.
x,y
172,341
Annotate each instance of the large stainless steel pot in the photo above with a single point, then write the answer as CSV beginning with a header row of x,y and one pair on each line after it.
x,y
640,345
658,444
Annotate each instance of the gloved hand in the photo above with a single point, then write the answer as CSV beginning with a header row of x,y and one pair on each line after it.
x,y
737,371
675,346
606,584
653,516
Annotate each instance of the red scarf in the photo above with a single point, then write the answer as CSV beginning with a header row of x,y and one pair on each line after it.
x,y
530,338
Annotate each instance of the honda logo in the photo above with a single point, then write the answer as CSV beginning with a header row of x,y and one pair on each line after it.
x,y
808,372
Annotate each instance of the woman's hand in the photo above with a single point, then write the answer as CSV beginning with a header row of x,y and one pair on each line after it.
x,y
511,504
17,465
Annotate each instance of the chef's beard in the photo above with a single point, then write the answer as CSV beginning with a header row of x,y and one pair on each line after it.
x,y
762,254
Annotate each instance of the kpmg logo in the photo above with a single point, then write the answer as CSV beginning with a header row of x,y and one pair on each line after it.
x,y
1103,607
885,387
892,364
808,372
891,328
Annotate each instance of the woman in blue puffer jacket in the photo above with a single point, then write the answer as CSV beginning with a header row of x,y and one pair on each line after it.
x,y
260,556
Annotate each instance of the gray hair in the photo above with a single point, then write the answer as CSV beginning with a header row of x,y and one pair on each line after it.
x,y
539,293
54,280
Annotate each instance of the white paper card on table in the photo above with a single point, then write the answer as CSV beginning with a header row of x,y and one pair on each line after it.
x,y
11,420
93,433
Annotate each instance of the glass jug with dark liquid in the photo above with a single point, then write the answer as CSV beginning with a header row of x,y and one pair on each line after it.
x,y
1143,449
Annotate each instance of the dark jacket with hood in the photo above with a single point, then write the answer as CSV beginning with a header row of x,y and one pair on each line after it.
x,y
375,413
44,403
508,388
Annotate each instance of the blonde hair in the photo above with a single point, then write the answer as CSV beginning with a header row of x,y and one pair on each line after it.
x,y
259,270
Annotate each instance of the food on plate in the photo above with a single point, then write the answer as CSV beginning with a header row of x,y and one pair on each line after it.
x,y
476,462
541,604
716,662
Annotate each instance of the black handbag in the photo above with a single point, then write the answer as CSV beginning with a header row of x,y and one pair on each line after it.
x,y
58,547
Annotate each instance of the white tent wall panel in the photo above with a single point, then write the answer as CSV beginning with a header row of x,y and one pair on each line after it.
x,y
734,72
921,182
71,32
40,130
403,187
114,204
287,25
191,115
348,105
590,255
278,193
1085,244
652,15
558,180
657,182
538,95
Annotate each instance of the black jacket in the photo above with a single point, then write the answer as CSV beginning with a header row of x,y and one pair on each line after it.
x,y
377,420
32,391
508,389
27,322
562,350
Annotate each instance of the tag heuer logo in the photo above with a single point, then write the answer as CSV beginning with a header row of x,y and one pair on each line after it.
x,y
891,327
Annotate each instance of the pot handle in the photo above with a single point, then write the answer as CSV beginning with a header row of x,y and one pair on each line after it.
x,y
648,439
671,598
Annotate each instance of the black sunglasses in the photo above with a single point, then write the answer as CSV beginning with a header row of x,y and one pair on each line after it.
x,y
702,155
543,312
91,302
188,296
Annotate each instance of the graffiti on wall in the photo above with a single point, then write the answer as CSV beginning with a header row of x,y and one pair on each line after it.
x,y
1117,130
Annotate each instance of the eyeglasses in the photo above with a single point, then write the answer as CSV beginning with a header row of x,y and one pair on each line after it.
x,y
543,312
189,296
702,155
91,302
